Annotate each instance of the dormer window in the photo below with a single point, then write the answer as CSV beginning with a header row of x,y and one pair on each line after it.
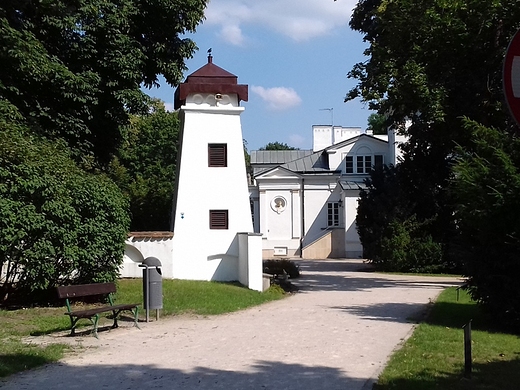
x,y
362,164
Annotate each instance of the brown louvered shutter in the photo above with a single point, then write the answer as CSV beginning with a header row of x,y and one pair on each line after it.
x,y
218,219
217,155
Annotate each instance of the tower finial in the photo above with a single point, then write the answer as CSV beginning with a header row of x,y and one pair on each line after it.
x,y
210,57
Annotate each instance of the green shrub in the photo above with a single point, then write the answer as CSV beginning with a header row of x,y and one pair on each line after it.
x,y
406,247
487,191
58,224
281,267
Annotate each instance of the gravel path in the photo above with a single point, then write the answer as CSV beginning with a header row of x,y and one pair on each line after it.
x,y
337,332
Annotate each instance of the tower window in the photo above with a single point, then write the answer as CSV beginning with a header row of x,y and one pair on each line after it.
x,y
218,219
217,155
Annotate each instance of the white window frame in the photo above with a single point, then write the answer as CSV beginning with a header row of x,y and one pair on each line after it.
x,y
333,214
361,164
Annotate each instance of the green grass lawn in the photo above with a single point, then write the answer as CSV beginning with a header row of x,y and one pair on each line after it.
x,y
180,297
433,357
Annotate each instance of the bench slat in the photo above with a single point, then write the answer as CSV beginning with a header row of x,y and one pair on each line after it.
x,y
84,290
95,310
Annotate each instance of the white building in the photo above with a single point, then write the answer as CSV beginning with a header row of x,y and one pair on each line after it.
x,y
213,236
304,202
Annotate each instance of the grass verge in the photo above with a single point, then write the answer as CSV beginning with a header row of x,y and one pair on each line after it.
x,y
180,297
433,357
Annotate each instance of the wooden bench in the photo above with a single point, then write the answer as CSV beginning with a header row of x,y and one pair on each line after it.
x,y
92,314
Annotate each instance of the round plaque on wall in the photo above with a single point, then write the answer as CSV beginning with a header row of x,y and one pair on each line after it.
x,y
278,204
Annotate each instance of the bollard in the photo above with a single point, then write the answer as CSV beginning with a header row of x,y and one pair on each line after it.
x,y
467,350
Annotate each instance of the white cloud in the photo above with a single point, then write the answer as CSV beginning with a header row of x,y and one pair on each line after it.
x,y
299,20
232,34
278,98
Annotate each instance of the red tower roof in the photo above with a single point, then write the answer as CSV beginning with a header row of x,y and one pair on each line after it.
x,y
210,79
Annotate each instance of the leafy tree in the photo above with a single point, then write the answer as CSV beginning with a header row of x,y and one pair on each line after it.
x,y
377,123
432,62
58,224
391,235
74,69
145,167
488,214
277,146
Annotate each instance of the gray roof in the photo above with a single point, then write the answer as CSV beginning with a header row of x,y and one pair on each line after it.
x,y
277,156
316,162
352,185
299,161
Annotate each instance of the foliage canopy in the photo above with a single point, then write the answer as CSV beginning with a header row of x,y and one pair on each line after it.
x,y
70,81
145,167
431,64
59,224
277,146
74,69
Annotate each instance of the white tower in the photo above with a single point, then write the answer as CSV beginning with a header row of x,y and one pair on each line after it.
x,y
211,203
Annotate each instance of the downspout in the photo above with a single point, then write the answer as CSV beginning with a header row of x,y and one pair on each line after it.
x,y
303,217
391,145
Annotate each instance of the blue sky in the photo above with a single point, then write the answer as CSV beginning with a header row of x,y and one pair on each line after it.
x,y
293,54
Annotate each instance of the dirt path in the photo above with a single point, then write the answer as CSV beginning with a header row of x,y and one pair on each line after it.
x,y
336,333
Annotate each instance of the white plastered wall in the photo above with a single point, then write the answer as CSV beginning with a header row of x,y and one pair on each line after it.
x,y
280,226
139,248
199,252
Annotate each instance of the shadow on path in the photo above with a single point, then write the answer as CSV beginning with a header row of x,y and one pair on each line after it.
x,y
351,275
387,311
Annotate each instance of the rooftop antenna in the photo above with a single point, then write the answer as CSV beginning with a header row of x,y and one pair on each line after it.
x,y
331,110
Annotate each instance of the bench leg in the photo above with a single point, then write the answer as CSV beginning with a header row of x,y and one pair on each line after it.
x,y
136,313
96,320
73,323
115,315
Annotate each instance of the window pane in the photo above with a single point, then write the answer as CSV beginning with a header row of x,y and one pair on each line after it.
x,y
368,164
378,160
349,164
359,164
333,214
